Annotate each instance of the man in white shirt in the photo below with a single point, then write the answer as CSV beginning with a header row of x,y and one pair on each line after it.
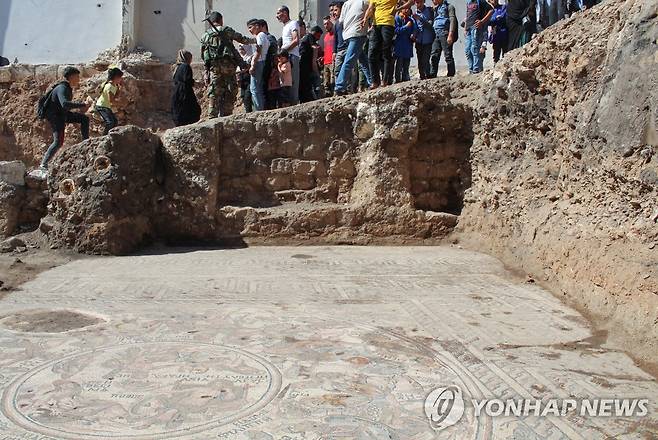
x,y
258,82
354,34
291,37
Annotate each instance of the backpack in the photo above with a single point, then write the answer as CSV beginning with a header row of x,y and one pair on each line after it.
x,y
218,46
44,101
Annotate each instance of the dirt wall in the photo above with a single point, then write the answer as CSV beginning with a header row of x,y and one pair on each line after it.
x,y
565,176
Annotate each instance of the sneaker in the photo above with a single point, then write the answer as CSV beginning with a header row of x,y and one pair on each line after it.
x,y
40,173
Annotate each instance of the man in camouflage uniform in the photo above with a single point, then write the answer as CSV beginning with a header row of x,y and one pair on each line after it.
x,y
221,59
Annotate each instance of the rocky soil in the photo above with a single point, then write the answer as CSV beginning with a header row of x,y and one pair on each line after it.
x,y
548,162
565,173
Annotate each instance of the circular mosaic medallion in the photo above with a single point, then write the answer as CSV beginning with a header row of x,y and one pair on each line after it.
x,y
142,391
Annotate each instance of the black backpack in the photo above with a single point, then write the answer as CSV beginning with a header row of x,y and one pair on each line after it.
x,y
44,101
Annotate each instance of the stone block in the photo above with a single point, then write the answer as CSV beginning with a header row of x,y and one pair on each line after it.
x,y
11,244
289,148
431,201
279,182
304,182
420,169
304,167
13,172
439,185
314,151
260,150
281,166
419,186
46,224
442,218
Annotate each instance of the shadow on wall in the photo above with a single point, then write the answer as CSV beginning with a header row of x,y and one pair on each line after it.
x,y
5,8
161,27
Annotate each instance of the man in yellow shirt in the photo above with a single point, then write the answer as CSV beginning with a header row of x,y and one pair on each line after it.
x,y
380,52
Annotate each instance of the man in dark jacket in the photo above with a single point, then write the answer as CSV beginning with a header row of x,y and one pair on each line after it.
x,y
58,112
521,21
306,60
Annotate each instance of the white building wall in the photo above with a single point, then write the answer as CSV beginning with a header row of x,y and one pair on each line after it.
x,y
74,31
58,31
165,26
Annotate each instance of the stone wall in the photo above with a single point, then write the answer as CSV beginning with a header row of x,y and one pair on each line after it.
x,y
334,171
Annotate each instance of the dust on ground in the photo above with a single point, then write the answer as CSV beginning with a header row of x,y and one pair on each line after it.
x,y
17,268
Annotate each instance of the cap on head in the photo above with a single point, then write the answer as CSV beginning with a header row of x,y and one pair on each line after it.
x,y
70,71
285,9
215,17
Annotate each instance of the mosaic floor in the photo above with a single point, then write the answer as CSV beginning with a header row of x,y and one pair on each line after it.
x,y
272,343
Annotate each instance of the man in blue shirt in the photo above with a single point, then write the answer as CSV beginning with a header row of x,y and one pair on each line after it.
x,y
445,28
424,37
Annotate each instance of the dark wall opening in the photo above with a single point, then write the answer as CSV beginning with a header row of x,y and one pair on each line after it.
x,y
439,165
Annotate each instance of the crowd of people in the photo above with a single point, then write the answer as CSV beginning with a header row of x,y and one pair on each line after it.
x,y
363,44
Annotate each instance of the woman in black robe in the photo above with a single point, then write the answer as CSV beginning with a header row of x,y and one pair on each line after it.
x,y
185,108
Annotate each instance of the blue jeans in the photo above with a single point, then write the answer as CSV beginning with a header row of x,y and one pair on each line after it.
x,y
474,39
354,52
257,86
